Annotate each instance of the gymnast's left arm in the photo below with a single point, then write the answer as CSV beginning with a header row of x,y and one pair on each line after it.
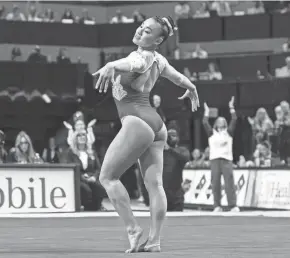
x,y
182,81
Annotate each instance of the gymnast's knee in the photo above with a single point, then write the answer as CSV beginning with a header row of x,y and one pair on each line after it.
x,y
152,183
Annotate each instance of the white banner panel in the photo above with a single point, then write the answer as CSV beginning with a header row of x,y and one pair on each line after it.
x,y
272,189
200,191
36,190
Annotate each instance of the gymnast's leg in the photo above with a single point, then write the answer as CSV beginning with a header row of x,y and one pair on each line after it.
x,y
151,163
130,143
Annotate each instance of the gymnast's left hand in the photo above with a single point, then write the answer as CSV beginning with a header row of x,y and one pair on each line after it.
x,y
106,75
193,96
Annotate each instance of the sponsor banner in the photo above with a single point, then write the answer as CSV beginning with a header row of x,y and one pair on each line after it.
x,y
36,190
200,191
272,189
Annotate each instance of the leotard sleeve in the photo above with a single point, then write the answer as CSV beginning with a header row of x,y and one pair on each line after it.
x,y
140,61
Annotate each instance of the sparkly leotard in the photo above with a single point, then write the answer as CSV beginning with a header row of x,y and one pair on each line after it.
x,y
135,101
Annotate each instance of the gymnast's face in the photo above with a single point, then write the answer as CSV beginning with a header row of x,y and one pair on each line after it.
x,y
148,35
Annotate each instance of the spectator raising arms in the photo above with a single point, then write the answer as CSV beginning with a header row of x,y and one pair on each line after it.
x,y
88,164
220,139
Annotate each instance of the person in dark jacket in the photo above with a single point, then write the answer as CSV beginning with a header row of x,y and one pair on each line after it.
x,y
87,161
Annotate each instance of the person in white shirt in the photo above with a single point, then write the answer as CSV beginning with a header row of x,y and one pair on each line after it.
x,y
199,52
220,139
202,12
214,73
284,72
15,15
120,18
182,10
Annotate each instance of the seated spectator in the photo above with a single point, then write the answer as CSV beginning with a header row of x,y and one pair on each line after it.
x,y
242,163
263,155
86,19
205,158
202,12
15,15
257,9
286,7
222,8
2,12
33,14
182,10
197,161
68,17
3,153
286,46
23,152
138,17
62,58
88,164
51,153
199,52
284,72
36,56
16,54
187,73
120,18
157,106
260,76
213,72
48,16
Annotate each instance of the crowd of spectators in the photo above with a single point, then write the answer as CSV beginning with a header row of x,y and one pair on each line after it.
x,y
34,13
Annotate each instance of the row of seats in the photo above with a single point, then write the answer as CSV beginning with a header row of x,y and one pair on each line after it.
x,y
234,27
243,67
105,35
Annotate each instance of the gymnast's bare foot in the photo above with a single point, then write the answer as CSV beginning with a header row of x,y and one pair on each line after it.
x,y
134,238
150,247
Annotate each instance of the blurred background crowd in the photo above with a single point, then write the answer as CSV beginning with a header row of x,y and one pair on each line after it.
x,y
82,133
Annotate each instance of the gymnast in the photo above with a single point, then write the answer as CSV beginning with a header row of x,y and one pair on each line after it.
x,y
143,134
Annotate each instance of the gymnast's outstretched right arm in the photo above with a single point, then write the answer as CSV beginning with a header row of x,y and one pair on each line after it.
x,y
180,80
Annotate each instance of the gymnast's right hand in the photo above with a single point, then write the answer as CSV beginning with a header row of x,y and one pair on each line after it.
x,y
106,75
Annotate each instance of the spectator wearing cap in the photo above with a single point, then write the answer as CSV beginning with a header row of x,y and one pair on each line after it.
x,y
3,153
